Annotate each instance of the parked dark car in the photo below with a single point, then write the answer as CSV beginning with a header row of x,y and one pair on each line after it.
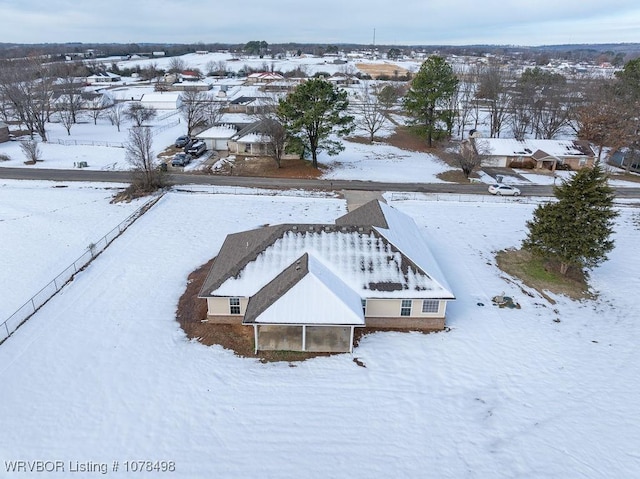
x,y
197,149
182,141
181,159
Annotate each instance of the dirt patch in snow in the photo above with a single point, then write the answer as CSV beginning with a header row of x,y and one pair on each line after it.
x,y
192,311
381,69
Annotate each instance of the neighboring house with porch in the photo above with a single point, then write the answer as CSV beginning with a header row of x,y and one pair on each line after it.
x,y
252,140
217,137
306,287
540,154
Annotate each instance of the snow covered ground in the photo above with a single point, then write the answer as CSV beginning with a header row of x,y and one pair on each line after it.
x,y
45,227
103,373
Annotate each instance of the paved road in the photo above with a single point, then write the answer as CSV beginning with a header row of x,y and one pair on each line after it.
x,y
288,183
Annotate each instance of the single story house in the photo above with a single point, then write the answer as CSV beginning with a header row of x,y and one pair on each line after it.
x,y
305,287
252,140
544,154
264,77
168,100
103,77
218,136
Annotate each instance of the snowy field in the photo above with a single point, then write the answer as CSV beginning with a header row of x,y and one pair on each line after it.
x,y
103,373
45,227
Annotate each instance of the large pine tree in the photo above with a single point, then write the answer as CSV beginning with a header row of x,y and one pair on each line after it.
x,y
576,230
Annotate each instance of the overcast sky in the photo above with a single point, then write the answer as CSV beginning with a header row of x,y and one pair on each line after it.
x,y
411,22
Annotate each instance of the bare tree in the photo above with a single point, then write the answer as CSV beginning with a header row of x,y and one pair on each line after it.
x,y
464,96
27,85
470,155
177,65
271,128
66,118
370,110
607,120
31,150
494,87
139,153
213,111
97,106
218,68
70,90
116,114
193,108
138,113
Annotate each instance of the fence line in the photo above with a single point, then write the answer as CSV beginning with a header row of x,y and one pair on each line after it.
x,y
168,115
28,309
166,126
112,144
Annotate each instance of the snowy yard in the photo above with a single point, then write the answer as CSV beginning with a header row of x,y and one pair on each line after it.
x,y
103,372
45,227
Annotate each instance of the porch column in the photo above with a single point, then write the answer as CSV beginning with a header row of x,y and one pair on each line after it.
x,y
351,340
255,338
304,337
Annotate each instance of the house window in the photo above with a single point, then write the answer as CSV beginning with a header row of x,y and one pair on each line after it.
x,y
405,307
364,305
234,305
430,306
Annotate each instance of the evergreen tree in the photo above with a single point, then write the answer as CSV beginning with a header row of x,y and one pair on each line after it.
x,y
431,89
312,112
576,230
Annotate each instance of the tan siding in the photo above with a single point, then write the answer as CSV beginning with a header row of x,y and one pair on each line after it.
x,y
220,306
391,308
383,307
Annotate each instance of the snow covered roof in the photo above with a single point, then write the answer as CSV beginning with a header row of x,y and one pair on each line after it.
x,y
218,131
527,147
265,76
105,75
308,289
368,259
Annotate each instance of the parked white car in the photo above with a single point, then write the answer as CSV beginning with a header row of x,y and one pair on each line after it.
x,y
504,190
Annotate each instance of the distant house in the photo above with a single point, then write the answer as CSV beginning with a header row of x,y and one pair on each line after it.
x,y
626,159
161,100
305,287
243,104
103,77
541,154
264,77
